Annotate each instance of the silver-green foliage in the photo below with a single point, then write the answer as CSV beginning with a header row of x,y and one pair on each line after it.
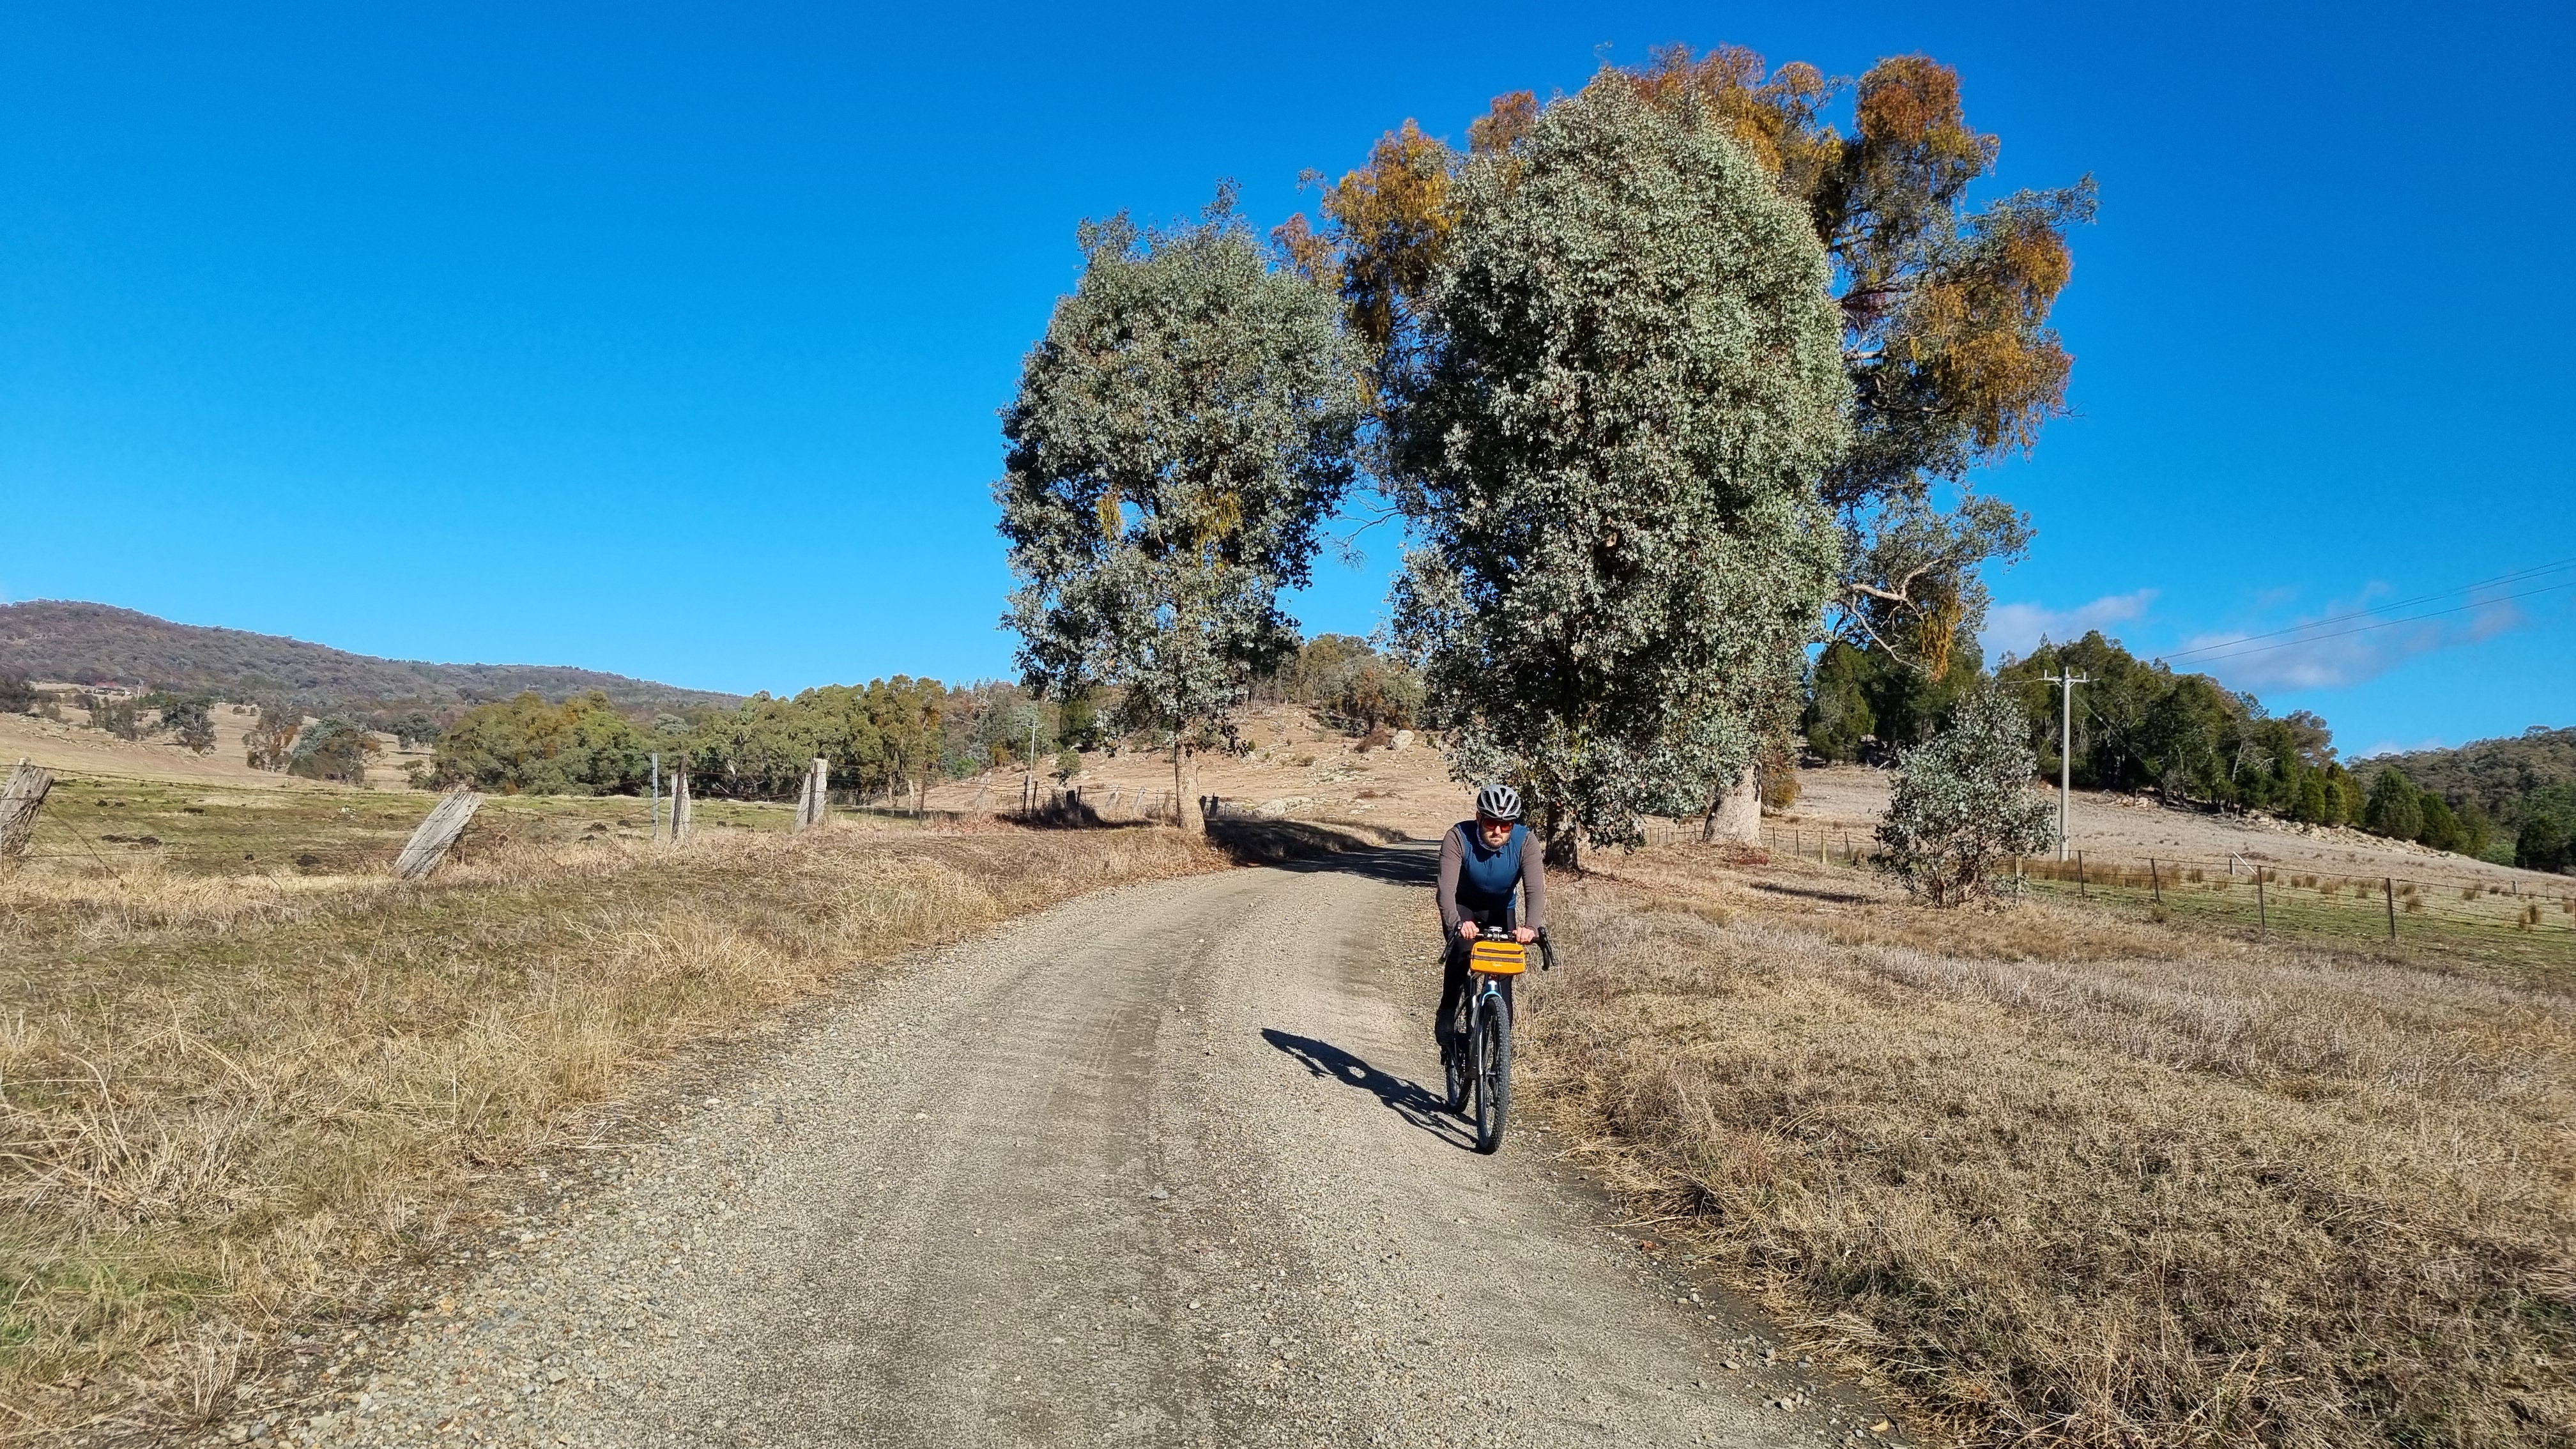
x,y
1609,445
1180,433
1963,805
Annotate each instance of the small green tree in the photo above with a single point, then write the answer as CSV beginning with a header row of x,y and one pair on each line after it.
x,y
2441,828
120,716
270,742
17,696
580,747
1963,806
2396,807
334,748
1839,722
189,720
1630,381
2544,835
1179,436
415,728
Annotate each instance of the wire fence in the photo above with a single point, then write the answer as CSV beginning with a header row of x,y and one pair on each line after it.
x,y
2517,918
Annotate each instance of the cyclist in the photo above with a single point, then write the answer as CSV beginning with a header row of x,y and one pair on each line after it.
x,y
1481,861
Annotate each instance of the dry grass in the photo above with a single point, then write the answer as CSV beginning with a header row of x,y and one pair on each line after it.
x,y
223,1099
2072,1180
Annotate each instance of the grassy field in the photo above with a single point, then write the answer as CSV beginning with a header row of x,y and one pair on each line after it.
x,y
2517,926
125,826
241,1068
2072,1176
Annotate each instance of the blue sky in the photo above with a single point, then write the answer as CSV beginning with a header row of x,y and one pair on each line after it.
x,y
669,342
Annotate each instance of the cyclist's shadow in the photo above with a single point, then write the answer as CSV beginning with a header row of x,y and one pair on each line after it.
x,y
1410,1100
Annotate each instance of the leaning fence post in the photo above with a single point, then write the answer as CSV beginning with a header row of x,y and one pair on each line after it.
x,y
2079,876
2388,887
656,786
19,802
438,830
2153,882
2262,910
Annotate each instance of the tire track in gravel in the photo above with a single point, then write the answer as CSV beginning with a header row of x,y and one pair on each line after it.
x,y
1152,1167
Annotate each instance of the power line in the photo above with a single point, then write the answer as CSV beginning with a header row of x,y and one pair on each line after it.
x,y
2518,576
2234,653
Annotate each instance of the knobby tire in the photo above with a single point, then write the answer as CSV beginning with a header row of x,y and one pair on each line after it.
x,y
1493,1058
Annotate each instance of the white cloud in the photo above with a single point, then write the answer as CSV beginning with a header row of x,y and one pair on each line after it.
x,y
2347,647
2016,629
2393,747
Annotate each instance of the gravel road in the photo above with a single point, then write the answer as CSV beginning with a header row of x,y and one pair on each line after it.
x,y
1153,1167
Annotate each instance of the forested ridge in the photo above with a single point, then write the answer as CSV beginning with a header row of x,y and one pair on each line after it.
x,y
100,644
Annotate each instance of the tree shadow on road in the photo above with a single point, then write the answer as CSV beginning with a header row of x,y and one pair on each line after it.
x,y
1407,1099
1294,845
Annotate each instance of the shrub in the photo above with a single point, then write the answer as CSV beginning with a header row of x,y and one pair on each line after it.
x,y
1962,804
336,748
579,747
417,728
17,696
189,720
270,744
120,717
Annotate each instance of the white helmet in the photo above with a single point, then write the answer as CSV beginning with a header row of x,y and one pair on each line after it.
x,y
1498,802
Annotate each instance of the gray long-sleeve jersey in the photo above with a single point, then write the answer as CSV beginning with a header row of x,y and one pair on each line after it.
x,y
1453,851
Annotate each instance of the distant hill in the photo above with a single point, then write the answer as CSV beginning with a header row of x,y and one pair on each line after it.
x,y
98,644
2498,774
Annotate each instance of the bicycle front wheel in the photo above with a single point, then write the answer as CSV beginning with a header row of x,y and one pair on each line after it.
x,y
1493,1054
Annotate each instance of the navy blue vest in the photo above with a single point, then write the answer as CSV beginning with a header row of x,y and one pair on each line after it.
x,y
1487,878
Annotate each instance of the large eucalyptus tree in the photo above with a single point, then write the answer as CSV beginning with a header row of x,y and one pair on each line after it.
x,y
1629,383
1181,432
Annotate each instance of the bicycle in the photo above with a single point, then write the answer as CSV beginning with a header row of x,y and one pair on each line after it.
x,y
1479,1060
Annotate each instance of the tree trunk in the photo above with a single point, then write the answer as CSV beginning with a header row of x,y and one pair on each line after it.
x,y
1185,788
1735,815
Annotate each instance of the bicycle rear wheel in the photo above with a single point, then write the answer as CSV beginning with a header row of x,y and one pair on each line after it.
x,y
1493,1057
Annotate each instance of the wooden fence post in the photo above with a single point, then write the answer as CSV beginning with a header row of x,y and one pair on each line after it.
x,y
438,830
2080,889
2388,886
679,799
19,802
812,805
2262,910
2154,883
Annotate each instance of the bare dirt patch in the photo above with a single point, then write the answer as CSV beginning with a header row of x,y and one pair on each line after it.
x,y
1295,764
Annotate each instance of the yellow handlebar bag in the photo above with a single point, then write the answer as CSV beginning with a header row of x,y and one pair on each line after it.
x,y
1498,958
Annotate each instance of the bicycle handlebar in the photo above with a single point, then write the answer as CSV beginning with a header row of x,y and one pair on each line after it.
x,y
1546,947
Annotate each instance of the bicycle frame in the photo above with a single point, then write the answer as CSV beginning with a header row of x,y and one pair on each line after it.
x,y
1480,1070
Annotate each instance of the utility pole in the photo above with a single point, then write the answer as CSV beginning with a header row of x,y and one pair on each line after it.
x,y
2065,680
